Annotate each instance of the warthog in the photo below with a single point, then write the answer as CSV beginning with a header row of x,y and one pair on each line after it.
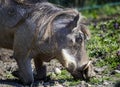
x,y
43,31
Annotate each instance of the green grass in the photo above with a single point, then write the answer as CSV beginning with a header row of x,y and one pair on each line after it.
x,y
65,78
8,75
103,46
105,43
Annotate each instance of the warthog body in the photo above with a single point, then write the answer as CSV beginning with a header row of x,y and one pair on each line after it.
x,y
43,31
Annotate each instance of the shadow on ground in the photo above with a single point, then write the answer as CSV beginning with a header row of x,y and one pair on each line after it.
x,y
18,83
117,84
10,82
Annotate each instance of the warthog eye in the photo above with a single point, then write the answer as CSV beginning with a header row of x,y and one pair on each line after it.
x,y
78,38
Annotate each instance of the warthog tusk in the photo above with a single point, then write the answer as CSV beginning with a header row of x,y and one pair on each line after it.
x,y
87,65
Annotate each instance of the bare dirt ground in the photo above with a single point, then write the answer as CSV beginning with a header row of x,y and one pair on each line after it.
x,y
8,65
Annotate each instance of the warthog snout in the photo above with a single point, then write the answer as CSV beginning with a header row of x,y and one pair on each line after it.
x,y
84,72
79,70
75,55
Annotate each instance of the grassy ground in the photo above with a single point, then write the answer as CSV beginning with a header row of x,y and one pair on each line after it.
x,y
104,46
105,42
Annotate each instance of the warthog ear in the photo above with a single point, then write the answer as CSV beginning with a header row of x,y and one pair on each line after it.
x,y
86,32
82,25
73,23
65,20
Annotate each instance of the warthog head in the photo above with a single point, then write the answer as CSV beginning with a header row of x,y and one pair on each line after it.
x,y
71,45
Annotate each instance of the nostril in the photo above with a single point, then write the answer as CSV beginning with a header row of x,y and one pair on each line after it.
x,y
78,39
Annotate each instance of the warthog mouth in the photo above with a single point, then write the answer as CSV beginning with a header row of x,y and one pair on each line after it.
x,y
86,72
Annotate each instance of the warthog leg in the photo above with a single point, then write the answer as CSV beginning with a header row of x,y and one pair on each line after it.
x,y
21,49
25,71
40,69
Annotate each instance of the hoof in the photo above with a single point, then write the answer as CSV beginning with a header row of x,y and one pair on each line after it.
x,y
40,73
23,81
16,74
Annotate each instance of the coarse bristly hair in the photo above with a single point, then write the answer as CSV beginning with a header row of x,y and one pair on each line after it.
x,y
44,14
47,11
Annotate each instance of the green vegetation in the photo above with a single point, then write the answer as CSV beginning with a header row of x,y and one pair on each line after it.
x,y
103,47
65,78
104,11
105,43
8,75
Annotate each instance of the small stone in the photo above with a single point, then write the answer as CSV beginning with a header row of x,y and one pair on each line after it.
x,y
53,76
106,83
89,85
114,72
99,70
84,84
46,84
57,71
58,85
117,71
